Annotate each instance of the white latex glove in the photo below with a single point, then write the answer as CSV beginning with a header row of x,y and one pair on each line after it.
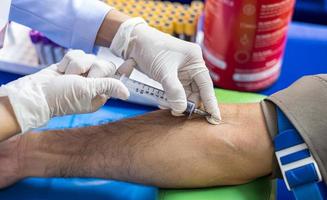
x,y
38,97
178,65
79,63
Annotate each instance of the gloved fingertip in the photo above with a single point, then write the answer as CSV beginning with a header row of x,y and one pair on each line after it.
x,y
163,107
178,107
102,68
219,115
127,67
95,74
99,101
61,66
122,92
176,114
213,120
73,69
123,95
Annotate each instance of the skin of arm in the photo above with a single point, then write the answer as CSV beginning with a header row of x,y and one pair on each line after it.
x,y
109,27
8,121
155,149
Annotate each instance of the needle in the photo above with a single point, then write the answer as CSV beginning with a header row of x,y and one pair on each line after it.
x,y
201,112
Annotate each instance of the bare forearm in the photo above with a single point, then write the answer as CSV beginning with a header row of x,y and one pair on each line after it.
x,y
159,150
8,123
109,27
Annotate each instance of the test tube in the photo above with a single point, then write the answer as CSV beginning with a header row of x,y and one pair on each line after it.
x,y
48,51
168,28
150,19
177,5
58,53
182,15
171,20
167,5
162,17
197,4
110,2
179,29
139,7
133,7
189,30
140,14
156,3
150,4
154,10
132,13
150,16
122,9
185,8
157,25
36,40
151,23
113,3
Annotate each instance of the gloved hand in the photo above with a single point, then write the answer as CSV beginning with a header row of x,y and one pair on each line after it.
x,y
79,63
38,97
176,64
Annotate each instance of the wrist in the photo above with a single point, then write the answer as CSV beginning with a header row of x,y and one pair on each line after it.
x,y
38,157
8,121
28,103
121,41
109,27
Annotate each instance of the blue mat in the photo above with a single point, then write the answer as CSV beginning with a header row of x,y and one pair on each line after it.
x,y
84,188
77,189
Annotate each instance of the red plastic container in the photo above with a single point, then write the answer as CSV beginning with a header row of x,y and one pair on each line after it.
x,y
244,41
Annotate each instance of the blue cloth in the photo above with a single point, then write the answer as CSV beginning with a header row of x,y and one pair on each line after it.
x,y
70,23
77,189
84,188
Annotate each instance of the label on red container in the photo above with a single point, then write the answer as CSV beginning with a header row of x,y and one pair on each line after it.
x,y
244,41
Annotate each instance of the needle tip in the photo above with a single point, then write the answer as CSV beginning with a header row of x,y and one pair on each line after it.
x,y
212,120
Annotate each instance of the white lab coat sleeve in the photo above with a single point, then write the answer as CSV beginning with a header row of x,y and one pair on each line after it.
x,y
70,23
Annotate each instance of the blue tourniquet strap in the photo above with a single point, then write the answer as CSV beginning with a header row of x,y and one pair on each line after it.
x,y
300,170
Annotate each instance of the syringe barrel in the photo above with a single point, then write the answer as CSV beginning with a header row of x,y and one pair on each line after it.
x,y
144,94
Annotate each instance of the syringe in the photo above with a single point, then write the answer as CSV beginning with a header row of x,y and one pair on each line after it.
x,y
145,94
